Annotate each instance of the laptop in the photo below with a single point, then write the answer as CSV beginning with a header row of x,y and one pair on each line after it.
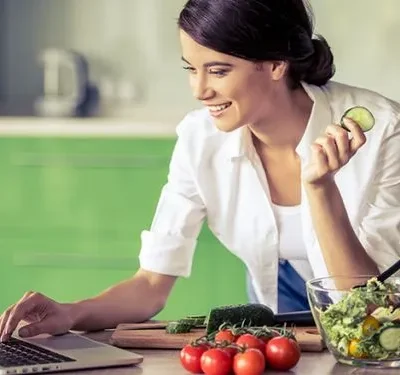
x,y
71,351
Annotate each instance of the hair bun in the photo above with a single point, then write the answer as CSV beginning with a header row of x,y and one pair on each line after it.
x,y
321,68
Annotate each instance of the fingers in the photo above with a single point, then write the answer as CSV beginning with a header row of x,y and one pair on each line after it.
x,y
50,325
337,145
333,150
329,148
341,137
358,136
43,315
320,158
32,329
4,319
16,313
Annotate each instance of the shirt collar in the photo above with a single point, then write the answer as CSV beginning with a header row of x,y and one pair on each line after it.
x,y
239,143
236,144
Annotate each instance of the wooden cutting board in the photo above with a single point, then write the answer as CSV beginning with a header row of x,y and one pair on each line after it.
x,y
152,335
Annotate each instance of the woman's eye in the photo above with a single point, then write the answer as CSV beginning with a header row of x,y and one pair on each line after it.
x,y
189,69
218,72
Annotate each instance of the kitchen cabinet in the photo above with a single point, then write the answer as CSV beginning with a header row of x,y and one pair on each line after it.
x,y
71,213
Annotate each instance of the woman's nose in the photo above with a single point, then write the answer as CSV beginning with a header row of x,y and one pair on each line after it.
x,y
200,88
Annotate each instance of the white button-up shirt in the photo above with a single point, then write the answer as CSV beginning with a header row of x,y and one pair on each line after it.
x,y
213,174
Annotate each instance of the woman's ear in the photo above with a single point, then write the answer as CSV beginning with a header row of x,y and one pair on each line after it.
x,y
278,70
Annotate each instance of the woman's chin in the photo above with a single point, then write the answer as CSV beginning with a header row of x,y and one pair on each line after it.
x,y
226,126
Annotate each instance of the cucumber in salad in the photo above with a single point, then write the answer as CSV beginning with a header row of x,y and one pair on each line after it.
x,y
361,115
389,338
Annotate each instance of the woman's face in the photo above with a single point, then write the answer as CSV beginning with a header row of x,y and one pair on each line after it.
x,y
237,92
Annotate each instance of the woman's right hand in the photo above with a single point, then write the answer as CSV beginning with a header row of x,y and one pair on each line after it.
x,y
42,314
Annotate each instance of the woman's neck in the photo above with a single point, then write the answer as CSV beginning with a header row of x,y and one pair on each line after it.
x,y
285,128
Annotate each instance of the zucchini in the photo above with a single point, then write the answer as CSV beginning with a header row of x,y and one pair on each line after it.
x,y
253,314
389,338
361,115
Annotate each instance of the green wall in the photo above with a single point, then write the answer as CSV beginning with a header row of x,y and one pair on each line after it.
x,y
71,213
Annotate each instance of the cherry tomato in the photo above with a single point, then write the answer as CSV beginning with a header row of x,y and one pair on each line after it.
x,y
354,349
216,361
248,340
225,335
282,353
268,337
190,357
250,362
230,350
370,325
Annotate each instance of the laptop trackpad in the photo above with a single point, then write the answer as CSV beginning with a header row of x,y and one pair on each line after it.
x,y
66,342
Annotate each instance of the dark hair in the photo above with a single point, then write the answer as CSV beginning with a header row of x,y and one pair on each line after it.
x,y
262,30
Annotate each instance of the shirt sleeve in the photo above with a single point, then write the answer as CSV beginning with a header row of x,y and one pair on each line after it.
x,y
380,229
168,247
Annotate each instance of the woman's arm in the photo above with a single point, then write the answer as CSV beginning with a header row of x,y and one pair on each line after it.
x,y
343,252
134,300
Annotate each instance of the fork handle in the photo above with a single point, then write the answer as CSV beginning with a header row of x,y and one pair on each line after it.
x,y
389,272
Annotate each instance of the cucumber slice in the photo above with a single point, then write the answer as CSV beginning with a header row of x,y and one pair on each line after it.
x,y
177,327
389,338
361,115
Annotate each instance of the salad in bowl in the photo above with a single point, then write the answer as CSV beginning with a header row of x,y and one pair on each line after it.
x,y
360,325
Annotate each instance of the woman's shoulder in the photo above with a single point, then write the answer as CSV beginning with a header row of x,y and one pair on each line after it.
x,y
342,96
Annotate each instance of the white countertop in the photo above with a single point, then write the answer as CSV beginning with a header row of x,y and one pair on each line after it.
x,y
166,362
86,127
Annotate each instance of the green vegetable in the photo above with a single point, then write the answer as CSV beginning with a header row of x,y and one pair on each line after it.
x,y
185,325
350,329
361,115
389,338
244,314
387,314
343,346
178,327
195,320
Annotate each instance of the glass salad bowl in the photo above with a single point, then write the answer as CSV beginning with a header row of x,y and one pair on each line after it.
x,y
360,325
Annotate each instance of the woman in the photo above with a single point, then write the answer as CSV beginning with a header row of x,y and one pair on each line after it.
x,y
282,185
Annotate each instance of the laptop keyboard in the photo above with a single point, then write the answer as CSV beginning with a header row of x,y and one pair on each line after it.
x,y
16,352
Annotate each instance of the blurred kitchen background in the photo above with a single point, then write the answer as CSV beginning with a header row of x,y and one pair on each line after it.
x,y
83,155
133,54
130,46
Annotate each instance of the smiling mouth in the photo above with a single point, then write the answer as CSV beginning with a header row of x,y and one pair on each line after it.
x,y
219,108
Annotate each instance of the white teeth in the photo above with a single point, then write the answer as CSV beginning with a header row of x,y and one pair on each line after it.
x,y
219,107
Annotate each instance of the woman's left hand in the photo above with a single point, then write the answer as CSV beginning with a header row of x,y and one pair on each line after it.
x,y
332,151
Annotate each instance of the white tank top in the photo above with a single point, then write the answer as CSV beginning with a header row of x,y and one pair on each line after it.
x,y
291,243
